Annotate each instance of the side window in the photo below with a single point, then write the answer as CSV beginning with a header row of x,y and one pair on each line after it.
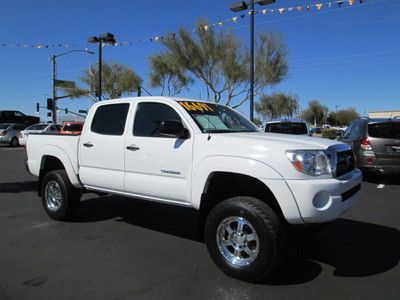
x,y
18,114
149,116
348,130
110,119
355,131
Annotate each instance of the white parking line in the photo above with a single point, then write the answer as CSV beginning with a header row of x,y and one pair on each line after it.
x,y
11,149
381,186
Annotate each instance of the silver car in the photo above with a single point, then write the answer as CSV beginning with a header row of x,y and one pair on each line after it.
x,y
9,133
37,128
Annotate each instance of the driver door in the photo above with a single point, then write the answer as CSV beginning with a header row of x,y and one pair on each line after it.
x,y
157,166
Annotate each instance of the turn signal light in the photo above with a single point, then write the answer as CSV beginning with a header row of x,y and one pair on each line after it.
x,y
365,144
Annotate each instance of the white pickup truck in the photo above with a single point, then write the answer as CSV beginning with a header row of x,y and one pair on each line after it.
x,y
248,186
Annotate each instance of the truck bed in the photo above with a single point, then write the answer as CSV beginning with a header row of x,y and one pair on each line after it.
x,y
39,144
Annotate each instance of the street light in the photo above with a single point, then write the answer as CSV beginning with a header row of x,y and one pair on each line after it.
x,y
239,6
53,59
105,38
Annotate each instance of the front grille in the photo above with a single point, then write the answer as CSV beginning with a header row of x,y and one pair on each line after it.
x,y
345,162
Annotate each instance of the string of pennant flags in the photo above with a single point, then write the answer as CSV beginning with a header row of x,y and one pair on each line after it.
x,y
282,10
221,23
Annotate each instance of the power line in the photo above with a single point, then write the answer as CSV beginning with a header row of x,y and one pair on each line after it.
x,y
41,74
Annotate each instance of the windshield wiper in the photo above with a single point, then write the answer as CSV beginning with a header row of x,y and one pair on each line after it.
x,y
217,131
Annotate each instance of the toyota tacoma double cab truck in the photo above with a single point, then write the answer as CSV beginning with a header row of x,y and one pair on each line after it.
x,y
248,186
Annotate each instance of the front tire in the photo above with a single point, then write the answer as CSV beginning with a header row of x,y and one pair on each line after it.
x,y
60,198
245,238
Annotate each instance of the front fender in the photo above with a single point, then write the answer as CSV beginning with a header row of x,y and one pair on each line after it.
x,y
252,168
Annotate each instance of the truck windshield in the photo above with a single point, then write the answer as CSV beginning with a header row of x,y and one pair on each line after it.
x,y
215,118
287,127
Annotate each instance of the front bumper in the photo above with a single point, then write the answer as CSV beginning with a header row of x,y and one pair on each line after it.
x,y
5,139
324,200
367,161
22,141
27,166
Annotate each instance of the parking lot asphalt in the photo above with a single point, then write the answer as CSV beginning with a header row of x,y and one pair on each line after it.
x,y
119,248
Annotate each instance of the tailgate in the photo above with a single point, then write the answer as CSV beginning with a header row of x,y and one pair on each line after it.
x,y
385,139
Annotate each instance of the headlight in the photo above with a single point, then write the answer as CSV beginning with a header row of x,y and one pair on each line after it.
x,y
310,162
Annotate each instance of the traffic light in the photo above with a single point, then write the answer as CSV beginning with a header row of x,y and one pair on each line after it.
x,y
49,114
37,107
66,110
49,104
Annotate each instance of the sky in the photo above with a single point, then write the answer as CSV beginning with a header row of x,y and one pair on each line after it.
x,y
345,57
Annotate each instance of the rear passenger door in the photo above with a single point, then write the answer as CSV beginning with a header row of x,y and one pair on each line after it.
x,y
101,148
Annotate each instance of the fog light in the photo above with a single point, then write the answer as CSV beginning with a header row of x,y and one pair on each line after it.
x,y
322,200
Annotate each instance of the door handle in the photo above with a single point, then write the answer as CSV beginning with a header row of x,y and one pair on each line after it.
x,y
132,148
88,144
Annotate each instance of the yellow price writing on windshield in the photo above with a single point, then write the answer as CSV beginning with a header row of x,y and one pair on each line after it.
x,y
195,106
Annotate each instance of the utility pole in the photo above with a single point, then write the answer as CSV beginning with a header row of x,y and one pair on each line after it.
x,y
252,60
54,106
100,63
239,6
54,94
105,38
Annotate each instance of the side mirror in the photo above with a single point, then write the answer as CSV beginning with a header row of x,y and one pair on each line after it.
x,y
172,128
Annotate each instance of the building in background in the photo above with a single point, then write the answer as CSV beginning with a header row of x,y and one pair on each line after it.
x,y
384,114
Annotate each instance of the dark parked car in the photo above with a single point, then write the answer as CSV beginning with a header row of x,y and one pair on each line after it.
x,y
317,130
13,116
294,126
376,144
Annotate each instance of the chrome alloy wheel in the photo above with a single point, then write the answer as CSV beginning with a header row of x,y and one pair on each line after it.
x,y
53,195
237,241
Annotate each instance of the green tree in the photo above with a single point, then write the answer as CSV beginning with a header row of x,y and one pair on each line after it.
x,y
220,61
278,105
257,122
342,117
315,113
116,80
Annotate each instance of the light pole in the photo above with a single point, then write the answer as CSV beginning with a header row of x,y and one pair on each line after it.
x,y
105,38
239,6
53,60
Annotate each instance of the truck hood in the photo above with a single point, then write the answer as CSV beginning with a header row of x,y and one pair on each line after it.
x,y
268,148
277,140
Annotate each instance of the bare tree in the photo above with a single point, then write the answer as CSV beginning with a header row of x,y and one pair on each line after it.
x,y
219,60
168,74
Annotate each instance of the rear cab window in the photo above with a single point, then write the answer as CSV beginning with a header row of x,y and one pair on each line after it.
x,y
110,119
287,127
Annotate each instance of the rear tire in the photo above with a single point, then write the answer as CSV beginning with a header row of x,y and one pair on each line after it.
x,y
60,198
245,238
14,142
